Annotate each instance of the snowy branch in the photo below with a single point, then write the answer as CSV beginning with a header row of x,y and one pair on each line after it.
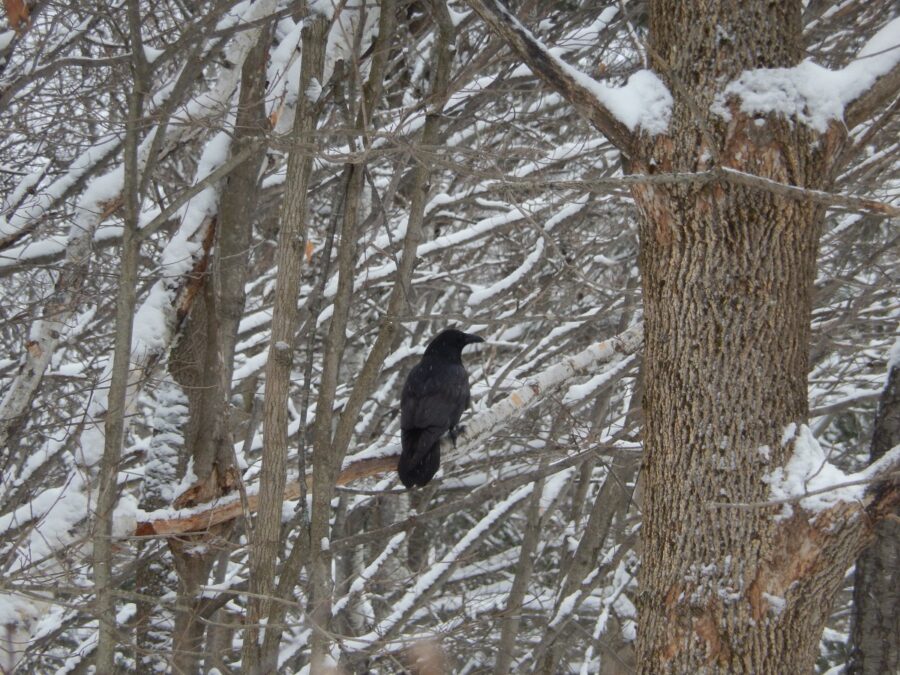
x,y
437,574
815,484
718,174
579,89
382,459
815,95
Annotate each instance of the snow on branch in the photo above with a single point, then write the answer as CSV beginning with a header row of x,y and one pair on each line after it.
x,y
814,483
100,199
207,104
154,321
68,505
481,295
502,413
383,458
21,221
644,102
809,93
437,574
183,260
360,582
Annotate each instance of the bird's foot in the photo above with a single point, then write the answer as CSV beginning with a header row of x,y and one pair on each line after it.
x,y
456,431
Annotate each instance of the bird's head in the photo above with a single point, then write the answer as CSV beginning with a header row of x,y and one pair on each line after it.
x,y
450,343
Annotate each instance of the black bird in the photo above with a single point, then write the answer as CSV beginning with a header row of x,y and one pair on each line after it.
x,y
434,397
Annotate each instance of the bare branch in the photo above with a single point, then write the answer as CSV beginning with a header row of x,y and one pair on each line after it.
x,y
536,57
874,99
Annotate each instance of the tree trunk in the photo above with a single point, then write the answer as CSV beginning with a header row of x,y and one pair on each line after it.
x,y
114,437
203,359
875,636
266,535
727,269
239,201
233,235
727,280
512,613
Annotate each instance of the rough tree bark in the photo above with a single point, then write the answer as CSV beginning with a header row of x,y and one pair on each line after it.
x,y
202,361
727,280
266,534
114,437
727,271
875,634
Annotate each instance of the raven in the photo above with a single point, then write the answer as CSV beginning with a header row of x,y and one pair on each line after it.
x,y
434,396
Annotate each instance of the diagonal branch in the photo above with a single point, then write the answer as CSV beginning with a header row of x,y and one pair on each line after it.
x,y
553,72
384,459
874,99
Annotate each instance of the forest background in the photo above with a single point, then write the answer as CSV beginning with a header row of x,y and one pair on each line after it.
x,y
228,229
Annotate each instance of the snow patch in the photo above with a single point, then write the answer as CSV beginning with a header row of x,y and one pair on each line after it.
x,y
484,293
360,582
553,486
313,90
789,432
324,7
894,356
154,319
53,515
809,471
809,93
342,38
457,17
643,102
5,38
151,53
579,392
776,603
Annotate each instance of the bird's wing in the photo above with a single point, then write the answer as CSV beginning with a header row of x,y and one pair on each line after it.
x,y
434,395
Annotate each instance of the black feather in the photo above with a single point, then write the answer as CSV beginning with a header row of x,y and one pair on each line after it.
x,y
434,397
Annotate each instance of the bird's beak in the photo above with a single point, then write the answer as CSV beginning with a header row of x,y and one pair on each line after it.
x,y
472,339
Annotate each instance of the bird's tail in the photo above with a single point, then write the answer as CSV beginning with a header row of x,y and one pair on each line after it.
x,y
421,456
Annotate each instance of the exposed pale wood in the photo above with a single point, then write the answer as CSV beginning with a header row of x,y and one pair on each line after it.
x,y
216,515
